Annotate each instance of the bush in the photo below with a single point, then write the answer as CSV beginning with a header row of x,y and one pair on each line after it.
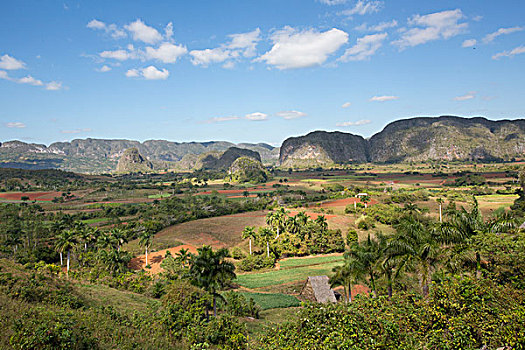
x,y
365,223
256,262
237,305
351,237
237,253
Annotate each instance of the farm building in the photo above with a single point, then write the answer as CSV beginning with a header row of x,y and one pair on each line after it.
x,y
317,289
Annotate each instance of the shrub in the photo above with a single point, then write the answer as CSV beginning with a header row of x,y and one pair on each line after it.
x,y
365,223
256,262
237,305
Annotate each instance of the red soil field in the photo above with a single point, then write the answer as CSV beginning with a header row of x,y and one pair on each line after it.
x,y
155,259
41,196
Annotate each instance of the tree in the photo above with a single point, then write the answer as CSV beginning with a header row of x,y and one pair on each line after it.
x,y
440,201
66,241
362,258
321,221
365,200
249,232
145,240
120,236
211,271
265,235
346,275
115,261
276,220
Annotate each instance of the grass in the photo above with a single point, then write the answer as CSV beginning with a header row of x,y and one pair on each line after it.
x,y
158,196
276,277
295,262
272,301
95,220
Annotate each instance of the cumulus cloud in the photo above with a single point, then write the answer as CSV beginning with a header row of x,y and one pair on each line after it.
x,y
220,119
256,116
16,125
31,81
168,31
363,7
142,32
346,105
53,86
10,63
166,52
241,44
104,69
365,48
378,27
434,26
120,55
469,43
509,53
383,98
246,42
110,29
357,123
76,131
502,31
208,56
300,49
291,114
149,73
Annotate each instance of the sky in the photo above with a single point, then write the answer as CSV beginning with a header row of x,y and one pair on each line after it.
x,y
253,70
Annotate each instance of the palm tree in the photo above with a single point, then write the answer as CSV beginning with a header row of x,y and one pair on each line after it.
x,y
211,271
420,245
321,221
183,257
66,241
115,261
363,258
265,235
276,220
145,240
345,275
106,240
440,201
249,232
120,237
390,264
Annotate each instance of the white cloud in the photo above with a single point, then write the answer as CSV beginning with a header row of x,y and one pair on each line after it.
x,y
31,81
383,98
346,105
4,75
96,24
246,42
220,119
207,56
132,73
142,32
291,114
229,65
469,43
502,31
104,69
120,55
256,116
53,86
10,63
516,51
357,123
168,31
166,52
16,125
332,2
363,7
149,73
300,49
111,29
477,18
378,27
434,26
76,131
152,73
365,47
468,96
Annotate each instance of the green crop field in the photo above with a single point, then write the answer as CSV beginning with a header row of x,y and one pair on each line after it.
x,y
294,262
276,277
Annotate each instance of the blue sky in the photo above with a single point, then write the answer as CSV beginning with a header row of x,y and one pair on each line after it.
x,y
253,71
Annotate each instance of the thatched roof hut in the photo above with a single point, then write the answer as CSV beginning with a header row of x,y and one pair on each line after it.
x,y
317,289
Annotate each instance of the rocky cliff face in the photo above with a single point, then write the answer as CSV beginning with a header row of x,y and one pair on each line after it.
x,y
226,159
132,161
321,148
415,139
448,138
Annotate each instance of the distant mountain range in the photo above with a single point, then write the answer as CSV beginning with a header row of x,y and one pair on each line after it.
x,y
100,155
414,139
